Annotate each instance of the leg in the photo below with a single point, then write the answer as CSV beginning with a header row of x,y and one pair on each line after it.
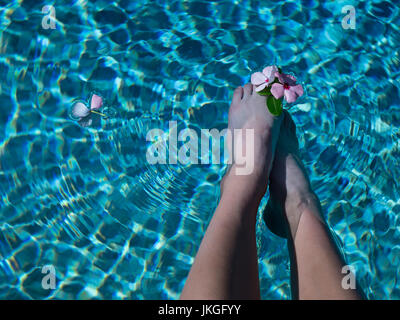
x,y
316,261
226,265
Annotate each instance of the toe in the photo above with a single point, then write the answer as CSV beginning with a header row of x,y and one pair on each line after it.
x,y
237,95
248,90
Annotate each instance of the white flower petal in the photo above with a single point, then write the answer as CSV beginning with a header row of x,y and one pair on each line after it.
x,y
85,122
79,110
270,71
257,78
261,87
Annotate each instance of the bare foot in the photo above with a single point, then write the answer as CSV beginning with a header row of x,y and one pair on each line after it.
x,y
290,189
248,110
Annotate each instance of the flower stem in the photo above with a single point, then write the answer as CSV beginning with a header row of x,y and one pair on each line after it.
x,y
102,114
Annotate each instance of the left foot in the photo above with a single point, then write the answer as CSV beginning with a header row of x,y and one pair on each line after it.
x,y
248,110
290,188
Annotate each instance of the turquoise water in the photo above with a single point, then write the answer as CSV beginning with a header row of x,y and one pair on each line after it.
x,y
86,201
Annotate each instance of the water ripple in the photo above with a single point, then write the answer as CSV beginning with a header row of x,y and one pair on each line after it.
x,y
85,199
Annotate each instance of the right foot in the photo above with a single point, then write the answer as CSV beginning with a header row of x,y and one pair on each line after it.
x,y
290,190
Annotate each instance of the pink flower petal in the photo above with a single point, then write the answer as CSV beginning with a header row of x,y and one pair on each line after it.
x,y
280,77
290,96
286,78
270,71
298,89
289,79
258,78
96,102
277,90
261,87
79,110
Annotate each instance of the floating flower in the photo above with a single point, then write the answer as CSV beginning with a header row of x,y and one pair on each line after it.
x,y
286,87
82,113
263,79
275,85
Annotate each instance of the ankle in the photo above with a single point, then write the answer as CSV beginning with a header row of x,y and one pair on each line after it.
x,y
296,205
298,201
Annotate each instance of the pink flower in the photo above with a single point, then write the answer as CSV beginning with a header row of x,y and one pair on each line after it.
x,y
83,114
287,88
263,79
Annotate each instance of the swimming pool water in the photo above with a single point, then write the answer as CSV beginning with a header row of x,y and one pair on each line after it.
x,y
86,201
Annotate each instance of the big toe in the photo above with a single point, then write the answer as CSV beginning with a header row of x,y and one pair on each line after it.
x,y
248,90
237,95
